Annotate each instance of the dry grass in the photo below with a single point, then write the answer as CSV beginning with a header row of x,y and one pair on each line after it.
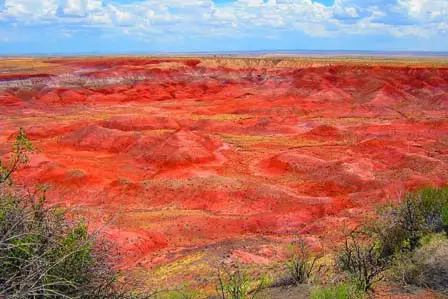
x,y
221,117
248,141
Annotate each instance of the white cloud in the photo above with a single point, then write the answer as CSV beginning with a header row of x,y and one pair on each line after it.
x,y
428,10
74,7
252,3
34,9
119,16
203,17
80,7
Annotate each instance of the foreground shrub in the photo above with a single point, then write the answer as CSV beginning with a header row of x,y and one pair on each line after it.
x,y
406,268
402,227
41,254
235,284
431,264
433,204
301,262
362,259
403,232
433,256
427,266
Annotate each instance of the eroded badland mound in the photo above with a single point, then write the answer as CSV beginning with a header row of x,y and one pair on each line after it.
x,y
194,161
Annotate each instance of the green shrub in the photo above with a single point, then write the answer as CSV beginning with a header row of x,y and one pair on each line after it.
x,y
406,268
405,232
391,239
402,227
427,266
341,291
432,203
411,220
432,258
398,241
444,215
41,254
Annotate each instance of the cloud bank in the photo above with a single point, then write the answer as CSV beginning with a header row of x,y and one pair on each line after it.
x,y
176,21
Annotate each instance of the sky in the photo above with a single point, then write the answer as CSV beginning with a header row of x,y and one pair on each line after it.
x,y
161,26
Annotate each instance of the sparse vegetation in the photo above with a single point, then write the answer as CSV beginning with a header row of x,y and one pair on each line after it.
x,y
432,257
301,263
19,156
362,259
235,284
407,243
396,243
405,269
340,291
419,214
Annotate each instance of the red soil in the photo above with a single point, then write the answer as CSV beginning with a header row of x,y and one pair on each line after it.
x,y
187,154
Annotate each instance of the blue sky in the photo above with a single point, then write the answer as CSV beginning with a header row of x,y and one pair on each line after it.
x,y
145,26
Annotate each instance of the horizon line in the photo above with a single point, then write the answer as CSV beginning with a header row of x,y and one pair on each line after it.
x,y
380,53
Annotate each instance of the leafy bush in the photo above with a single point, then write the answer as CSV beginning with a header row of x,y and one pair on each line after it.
x,y
403,233
391,239
444,216
427,266
41,254
406,268
432,203
398,241
410,220
341,291
432,257
402,227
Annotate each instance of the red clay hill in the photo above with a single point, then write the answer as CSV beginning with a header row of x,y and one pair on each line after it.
x,y
193,161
